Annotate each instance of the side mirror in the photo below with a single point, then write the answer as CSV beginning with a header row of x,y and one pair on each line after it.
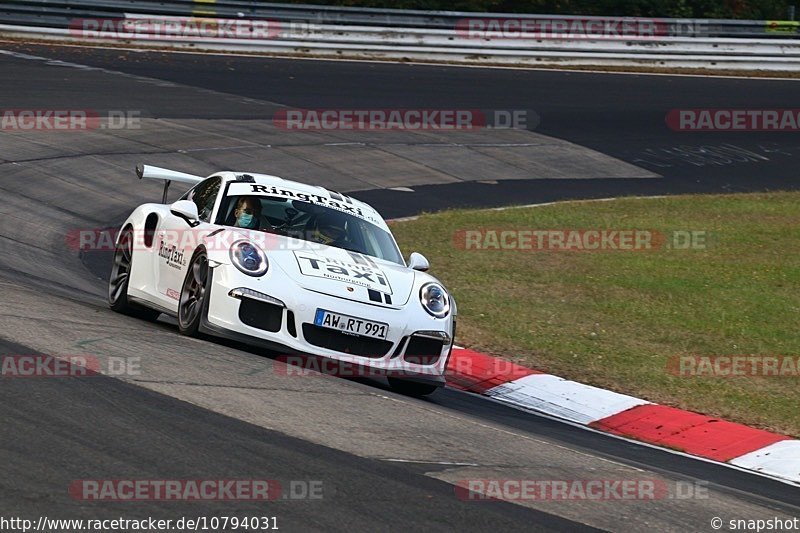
x,y
186,210
418,261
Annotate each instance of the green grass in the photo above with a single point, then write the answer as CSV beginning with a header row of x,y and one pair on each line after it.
x,y
615,318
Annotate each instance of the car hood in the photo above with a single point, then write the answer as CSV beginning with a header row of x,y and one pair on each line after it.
x,y
337,272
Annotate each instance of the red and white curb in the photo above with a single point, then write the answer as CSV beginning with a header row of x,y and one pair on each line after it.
x,y
761,451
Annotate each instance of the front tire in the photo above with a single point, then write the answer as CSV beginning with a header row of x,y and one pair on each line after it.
x,y
412,388
120,277
191,306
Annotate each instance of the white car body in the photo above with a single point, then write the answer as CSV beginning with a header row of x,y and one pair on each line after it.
x,y
302,279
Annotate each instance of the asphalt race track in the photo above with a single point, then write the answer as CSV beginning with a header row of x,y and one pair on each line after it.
x,y
622,116
210,410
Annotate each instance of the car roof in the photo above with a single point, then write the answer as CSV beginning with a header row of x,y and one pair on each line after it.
x,y
289,188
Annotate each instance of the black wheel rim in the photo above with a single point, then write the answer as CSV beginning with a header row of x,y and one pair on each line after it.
x,y
194,291
121,269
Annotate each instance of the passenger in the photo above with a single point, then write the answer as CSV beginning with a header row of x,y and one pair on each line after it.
x,y
248,212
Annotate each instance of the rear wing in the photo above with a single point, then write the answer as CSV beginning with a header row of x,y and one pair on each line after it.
x,y
157,173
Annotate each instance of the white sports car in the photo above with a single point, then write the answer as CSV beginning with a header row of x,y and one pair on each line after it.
x,y
293,267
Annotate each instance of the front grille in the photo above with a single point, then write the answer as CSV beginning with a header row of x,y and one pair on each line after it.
x,y
261,315
399,350
342,342
423,350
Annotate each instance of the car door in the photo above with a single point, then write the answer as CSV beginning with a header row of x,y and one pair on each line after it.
x,y
177,241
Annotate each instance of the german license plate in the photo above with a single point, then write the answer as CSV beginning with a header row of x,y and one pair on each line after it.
x,y
351,324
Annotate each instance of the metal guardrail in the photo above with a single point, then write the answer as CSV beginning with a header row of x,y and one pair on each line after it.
x,y
56,13
416,35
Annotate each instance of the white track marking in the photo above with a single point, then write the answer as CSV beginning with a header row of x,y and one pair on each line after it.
x,y
563,398
781,459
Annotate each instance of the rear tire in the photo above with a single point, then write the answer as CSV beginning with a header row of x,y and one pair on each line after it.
x,y
192,304
412,388
120,277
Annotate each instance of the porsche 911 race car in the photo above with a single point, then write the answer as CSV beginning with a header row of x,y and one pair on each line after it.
x,y
296,268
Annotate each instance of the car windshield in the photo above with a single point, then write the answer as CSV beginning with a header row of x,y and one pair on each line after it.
x,y
310,222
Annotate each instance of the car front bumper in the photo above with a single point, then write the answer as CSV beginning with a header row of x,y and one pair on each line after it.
x,y
275,313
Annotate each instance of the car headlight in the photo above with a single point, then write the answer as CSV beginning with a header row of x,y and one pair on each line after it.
x,y
435,300
249,258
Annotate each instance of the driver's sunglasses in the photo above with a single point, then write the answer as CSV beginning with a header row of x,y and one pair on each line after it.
x,y
247,210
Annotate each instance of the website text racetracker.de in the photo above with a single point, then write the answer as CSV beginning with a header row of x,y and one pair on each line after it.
x,y
589,240
67,366
171,241
315,366
732,366
558,28
579,490
196,523
405,119
174,28
176,490
726,120
56,120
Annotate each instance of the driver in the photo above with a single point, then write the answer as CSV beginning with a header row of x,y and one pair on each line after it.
x,y
329,229
248,212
